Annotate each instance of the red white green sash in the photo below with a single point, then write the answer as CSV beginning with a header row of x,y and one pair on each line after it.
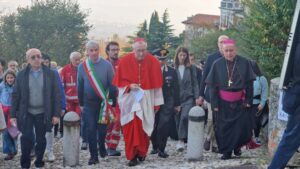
x,y
106,111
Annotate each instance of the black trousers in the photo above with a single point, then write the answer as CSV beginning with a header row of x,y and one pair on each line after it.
x,y
33,122
256,120
162,127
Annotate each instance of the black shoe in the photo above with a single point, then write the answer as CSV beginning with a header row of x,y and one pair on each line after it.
x,y
93,161
103,154
214,149
163,154
84,146
206,145
237,152
141,159
226,156
154,151
112,152
133,162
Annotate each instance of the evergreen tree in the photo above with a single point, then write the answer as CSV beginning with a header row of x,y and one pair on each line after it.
x,y
166,29
155,35
143,30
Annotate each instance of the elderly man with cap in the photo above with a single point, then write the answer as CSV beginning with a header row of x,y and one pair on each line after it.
x,y
139,80
166,112
35,105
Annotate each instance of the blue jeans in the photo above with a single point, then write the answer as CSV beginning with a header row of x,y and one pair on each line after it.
x,y
289,143
9,144
95,132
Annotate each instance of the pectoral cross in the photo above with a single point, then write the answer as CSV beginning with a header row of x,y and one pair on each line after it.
x,y
229,82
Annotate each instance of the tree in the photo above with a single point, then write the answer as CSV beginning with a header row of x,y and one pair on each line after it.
x,y
265,32
56,27
155,34
143,30
166,29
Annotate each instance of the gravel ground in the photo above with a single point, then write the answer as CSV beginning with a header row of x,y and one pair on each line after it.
x,y
257,158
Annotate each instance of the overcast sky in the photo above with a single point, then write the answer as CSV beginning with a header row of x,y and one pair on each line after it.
x,y
132,12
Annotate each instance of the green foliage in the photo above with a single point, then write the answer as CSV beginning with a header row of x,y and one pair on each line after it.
x,y
265,32
56,27
158,35
262,35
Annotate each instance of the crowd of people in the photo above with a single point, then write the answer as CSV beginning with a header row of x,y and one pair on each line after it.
x,y
138,96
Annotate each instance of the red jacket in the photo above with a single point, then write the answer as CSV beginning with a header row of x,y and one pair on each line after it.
x,y
69,79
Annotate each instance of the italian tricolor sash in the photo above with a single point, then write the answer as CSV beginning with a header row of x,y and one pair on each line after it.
x,y
106,111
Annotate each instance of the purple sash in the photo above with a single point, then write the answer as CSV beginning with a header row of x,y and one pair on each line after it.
x,y
232,96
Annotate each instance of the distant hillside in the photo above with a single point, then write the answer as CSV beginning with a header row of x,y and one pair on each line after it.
x,y
105,30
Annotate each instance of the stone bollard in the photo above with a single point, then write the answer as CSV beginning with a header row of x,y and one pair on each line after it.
x,y
195,134
71,139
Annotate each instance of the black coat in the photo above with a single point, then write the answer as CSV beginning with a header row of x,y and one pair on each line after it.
x,y
51,96
171,86
208,64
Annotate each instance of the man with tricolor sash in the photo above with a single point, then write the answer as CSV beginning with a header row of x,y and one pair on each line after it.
x,y
139,80
94,78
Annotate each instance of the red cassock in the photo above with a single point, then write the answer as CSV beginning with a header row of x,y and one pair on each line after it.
x,y
147,73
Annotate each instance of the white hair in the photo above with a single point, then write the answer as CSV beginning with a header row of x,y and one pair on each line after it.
x,y
73,54
92,44
139,43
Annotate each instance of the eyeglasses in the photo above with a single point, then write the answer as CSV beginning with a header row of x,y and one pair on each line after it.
x,y
33,57
114,50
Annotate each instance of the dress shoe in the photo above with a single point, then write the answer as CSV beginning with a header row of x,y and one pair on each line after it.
x,y
113,152
84,146
141,159
206,145
163,154
237,152
93,161
133,162
214,149
9,157
154,151
226,156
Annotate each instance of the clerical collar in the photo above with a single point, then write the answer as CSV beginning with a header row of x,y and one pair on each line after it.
x,y
229,61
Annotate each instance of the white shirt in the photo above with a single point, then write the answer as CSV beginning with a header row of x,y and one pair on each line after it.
x,y
181,70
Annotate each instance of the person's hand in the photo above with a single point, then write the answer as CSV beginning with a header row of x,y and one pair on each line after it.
x,y
216,109
13,121
134,86
177,109
201,100
198,102
247,105
260,107
55,120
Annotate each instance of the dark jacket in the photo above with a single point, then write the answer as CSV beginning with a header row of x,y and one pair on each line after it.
x,y
51,94
189,88
171,86
208,64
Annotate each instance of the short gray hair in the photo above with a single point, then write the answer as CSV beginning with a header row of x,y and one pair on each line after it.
x,y
140,43
92,44
73,54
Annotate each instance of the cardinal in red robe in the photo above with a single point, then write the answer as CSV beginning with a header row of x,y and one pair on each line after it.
x,y
139,80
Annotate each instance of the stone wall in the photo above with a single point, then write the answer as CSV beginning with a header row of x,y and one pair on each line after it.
x,y
276,126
